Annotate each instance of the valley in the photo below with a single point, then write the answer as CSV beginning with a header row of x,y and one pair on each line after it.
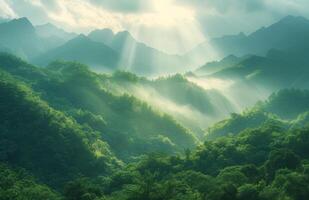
x,y
104,116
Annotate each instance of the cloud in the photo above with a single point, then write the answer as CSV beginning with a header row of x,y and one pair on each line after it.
x,y
147,20
126,6
181,20
221,17
6,11
224,6
87,14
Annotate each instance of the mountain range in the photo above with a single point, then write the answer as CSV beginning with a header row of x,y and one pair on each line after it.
x,y
237,128
289,32
38,44
84,50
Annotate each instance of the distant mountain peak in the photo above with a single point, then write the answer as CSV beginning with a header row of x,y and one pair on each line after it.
x,y
123,38
293,18
82,37
79,39
21,22
20,26
102,35
124,34
48,25
230,57
50,30
290,19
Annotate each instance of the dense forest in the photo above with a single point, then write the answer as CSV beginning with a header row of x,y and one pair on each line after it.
x,y
74,125
69,133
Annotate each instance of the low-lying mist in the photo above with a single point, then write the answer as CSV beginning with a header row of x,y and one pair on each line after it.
x,y
196,102
240,94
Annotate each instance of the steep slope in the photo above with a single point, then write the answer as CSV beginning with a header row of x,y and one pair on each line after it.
x,y
53,36
196,108
215,66
49,30
287,108
131,127
287,33
19,36
265,163
137,57
84,50
105,36
128,125
279,69
52,146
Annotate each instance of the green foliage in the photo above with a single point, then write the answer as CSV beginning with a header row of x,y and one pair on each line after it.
x,y
180,90
18,185
288,104
239,122
128,125
64,125
193,106
287,108
257,164
42,140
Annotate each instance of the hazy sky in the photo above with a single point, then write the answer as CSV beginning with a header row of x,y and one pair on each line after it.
x,y
170,25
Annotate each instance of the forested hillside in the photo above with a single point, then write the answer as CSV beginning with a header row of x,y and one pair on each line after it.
x,y
44,141
128,125
288,108
103,116
195,107
263,163
74,131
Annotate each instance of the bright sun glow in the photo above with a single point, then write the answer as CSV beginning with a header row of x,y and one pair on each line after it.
x,y
167,13
168,26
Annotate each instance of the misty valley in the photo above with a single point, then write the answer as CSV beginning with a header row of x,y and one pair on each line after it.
x,y
104,116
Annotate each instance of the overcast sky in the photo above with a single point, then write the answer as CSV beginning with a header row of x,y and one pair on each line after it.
x,y
170,25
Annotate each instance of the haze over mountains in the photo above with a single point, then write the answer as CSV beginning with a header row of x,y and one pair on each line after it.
x,y
124,51
19,35
247,61
104,116
287,33
248,73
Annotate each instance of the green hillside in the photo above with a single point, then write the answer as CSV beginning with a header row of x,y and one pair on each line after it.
x,y
193,106
45,141
264,163
287,108
18,184
106,117
127,124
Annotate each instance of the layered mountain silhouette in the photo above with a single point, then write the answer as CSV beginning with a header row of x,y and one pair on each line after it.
x,y
289,32
104,50
68,132
277,70
50,30
19,36
84,50
138,57
217,66
53,36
